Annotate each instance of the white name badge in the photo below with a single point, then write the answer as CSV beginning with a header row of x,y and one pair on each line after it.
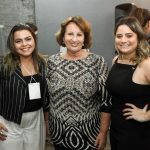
x,y
34,91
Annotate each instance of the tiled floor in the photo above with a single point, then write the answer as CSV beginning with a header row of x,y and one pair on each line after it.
x,y
50,146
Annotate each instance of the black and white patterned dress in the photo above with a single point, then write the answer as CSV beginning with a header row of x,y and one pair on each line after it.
x,y
78,95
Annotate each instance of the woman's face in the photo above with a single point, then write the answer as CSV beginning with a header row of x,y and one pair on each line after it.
x,y
73,38
24,43
147,27
126,40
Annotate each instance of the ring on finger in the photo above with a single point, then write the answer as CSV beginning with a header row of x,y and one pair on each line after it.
x,y
1,132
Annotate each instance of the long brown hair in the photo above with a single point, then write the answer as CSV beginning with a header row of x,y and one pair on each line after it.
x,y
12,59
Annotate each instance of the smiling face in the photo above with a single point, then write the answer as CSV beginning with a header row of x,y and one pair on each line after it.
x,y
73,38
24,43
126,41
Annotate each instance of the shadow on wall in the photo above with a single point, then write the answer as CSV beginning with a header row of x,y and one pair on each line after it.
x,y
123,10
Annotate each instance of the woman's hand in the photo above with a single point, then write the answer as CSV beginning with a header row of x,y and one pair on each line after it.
x,y
3,129
133,112
101,140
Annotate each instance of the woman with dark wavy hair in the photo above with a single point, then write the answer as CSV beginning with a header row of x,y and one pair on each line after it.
x,y
23,93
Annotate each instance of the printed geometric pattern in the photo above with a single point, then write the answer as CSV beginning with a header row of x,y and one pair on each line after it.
x,y
76,89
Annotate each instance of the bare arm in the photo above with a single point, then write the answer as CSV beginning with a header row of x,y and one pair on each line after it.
x,y
46,122
133,112
102,136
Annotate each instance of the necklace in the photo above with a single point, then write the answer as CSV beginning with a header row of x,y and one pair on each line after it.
x,y
26,70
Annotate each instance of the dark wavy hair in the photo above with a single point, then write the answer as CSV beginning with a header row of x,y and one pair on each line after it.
x,y
12,59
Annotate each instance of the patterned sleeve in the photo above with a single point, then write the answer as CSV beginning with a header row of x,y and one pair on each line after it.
x,y
105,97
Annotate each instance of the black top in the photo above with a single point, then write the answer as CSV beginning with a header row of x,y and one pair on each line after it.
x,y
36,104
123,89
13,91
121,85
